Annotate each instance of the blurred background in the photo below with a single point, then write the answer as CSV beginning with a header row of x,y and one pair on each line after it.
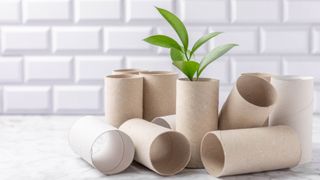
x,y
55,53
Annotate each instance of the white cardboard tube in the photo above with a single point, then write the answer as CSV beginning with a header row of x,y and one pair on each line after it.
x,y
126,71
159,93
248,104
240,151
166,121
104,147
294,108
123,98
162,150
197,112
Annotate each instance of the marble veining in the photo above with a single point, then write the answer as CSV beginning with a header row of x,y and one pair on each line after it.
x,y
36,148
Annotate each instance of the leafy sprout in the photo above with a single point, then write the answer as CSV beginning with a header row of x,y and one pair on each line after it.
x,y
181,56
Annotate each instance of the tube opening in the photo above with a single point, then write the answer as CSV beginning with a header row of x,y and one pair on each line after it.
x,y
161,122
107,151
293,77
212,154
126,70
199,80
122,76
170,153
157,73
256,90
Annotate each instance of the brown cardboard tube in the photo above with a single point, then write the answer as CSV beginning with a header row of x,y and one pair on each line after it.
x,y
166,121
241,151
162,150
248,104
265,76
126,71
197,112
123,98
294,108
159,93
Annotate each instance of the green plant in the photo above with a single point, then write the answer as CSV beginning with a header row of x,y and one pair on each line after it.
x,y
181,56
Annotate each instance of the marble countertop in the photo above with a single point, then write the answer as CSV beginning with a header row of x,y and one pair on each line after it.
x,y
36,148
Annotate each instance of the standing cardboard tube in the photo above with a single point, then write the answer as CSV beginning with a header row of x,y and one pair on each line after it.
x,y
126,71
294,108
197,112
166,121
162,150
248,105
123,98
159,93
241,151
101,145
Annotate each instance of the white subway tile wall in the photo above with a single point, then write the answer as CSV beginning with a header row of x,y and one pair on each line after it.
x,y
55,53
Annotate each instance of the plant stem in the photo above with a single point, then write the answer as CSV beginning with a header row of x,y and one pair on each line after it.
x,y
186,55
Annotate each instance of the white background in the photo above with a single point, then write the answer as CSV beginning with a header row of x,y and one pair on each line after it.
x,y
55,53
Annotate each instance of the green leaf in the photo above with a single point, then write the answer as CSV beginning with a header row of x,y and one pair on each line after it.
x,y
213,55
189,68
177,55
163,41
177,25
203,40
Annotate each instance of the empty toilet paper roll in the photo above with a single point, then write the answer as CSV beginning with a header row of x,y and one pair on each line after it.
x,y
159,93
166,121
265,76
241,151
123,98
294,108
248,105
162,150
197,112
126,71
101,145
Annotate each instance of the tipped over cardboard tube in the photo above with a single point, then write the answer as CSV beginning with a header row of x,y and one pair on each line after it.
x,y
159,93
126,71
248,104
294,108
265,76
104,147
162,150
166,121
123,98
241,151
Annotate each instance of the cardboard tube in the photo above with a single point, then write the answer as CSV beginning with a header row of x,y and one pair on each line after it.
x,y
241,151
159,93
123,98
197,112
162,150
166,121
265,76
126,71
248,105
104,147
294,108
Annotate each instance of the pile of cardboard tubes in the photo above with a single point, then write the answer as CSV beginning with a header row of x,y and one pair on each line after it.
x,y
168,124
